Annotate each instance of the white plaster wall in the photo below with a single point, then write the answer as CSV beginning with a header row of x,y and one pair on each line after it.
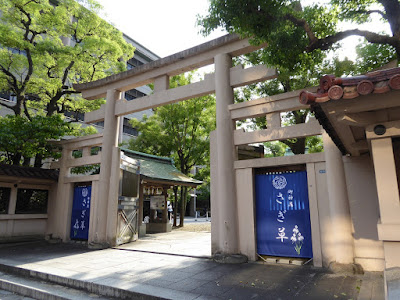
x,y
23,227
3,228
364,209
247,219
327,243
29,227
246,216
15,225
51,209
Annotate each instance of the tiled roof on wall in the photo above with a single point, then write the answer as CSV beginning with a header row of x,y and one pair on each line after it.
x,y
28,172
333,88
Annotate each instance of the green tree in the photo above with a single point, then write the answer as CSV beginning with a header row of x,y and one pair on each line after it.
x,y
46,46
297,39
287,81
373,56
22,139
180,130
274,149
296,34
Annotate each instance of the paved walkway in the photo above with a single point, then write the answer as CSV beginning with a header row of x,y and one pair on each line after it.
x,y
180,277
175,242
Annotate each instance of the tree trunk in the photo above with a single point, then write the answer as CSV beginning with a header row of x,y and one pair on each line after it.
x,y
183,205
16,159
18,106
38,161
299,147
175,204
26,162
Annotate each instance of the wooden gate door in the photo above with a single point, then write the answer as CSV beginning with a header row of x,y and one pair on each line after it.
x,y
128,202
127,230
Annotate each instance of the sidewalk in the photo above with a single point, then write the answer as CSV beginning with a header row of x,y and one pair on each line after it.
x,y
191,244
133,274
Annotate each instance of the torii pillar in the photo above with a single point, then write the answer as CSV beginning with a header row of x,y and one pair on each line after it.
x,y
226,190
102,230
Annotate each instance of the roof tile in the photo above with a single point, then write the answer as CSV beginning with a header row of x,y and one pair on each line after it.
x,y
332,88
160,168
28,172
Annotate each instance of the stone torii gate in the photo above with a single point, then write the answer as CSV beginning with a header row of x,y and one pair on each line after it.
x,y
220,52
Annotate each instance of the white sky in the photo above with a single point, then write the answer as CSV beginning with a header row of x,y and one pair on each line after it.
x,y
164,27
167,27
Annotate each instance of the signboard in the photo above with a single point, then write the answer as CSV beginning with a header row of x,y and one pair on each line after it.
x,y
81,212
157,202
283,217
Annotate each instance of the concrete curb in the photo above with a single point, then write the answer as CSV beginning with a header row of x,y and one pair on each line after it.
x,y
91,287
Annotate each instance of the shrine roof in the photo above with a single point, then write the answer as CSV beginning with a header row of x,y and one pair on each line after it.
x,y
160,169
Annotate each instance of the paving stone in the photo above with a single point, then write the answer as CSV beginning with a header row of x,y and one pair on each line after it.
x,y
203,297
158,282
199,267
208,275
188,285
214,289
181,277
237,293
176,276
163,292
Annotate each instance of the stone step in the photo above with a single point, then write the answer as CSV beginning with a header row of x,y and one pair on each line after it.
x,y
38,289
6,295
43,286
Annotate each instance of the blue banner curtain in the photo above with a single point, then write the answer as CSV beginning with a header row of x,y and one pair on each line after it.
x,y
283,215
81,213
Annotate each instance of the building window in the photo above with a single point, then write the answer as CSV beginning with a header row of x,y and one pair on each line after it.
x,y
8,96
4,199
133,94
132,63
100,124
128,129
74,115
129,97
31,201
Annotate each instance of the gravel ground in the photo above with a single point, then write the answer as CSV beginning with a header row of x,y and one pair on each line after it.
x,y
195,227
